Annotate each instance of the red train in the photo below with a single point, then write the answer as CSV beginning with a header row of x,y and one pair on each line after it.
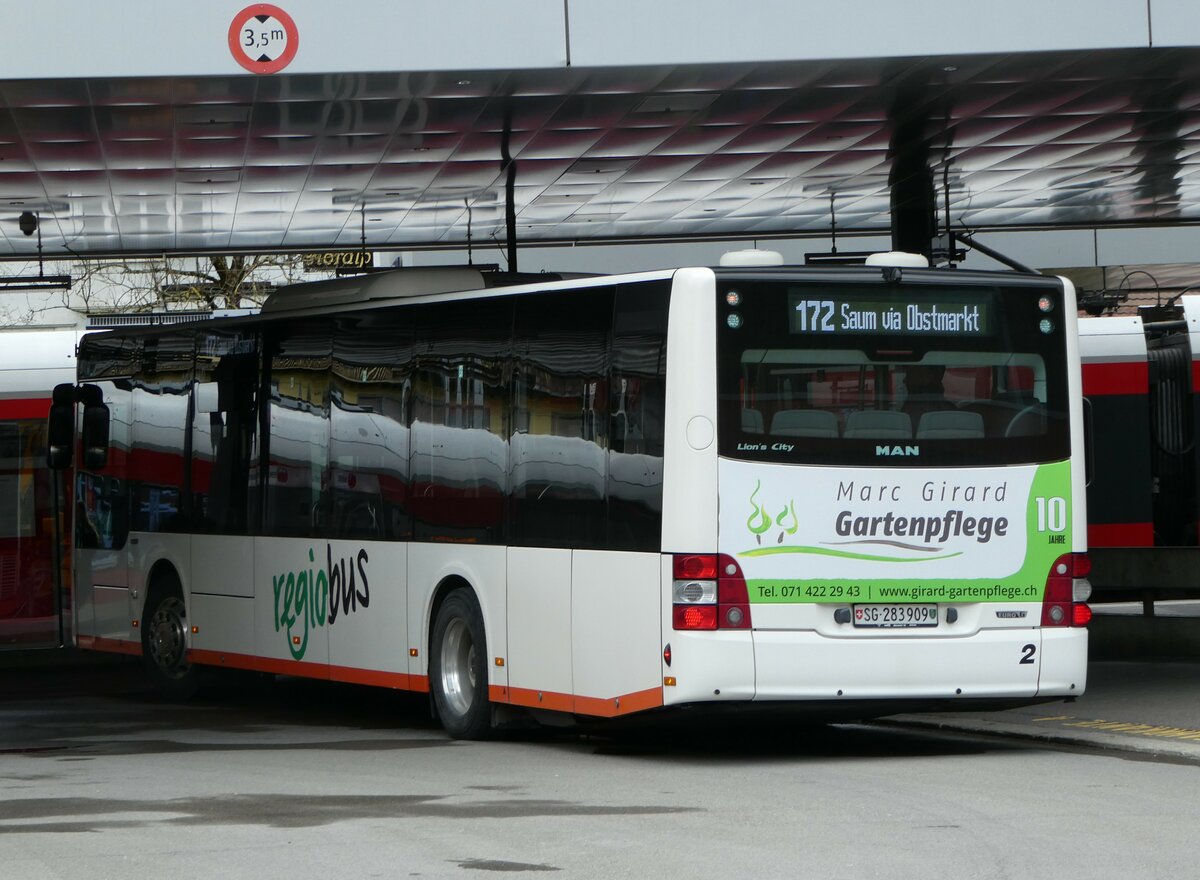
x,y
1141,375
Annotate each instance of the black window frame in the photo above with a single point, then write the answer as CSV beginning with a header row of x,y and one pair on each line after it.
x,y
762,322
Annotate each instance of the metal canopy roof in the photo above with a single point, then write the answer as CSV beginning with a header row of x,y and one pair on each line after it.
x,y
242,163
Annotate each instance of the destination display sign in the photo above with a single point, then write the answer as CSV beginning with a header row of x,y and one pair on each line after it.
x,y
812,313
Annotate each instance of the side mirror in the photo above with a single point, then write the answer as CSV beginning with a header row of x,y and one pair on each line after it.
x,y
95,428
60,428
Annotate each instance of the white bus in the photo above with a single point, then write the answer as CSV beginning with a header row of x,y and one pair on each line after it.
x,y
857,489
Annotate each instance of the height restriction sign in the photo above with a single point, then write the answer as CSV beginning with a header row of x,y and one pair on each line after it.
x,y
263,38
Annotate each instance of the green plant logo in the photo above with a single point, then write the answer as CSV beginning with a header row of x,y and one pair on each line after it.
x,y
760,521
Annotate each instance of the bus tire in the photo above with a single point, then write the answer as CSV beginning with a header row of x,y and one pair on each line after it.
x,y
458,674
164,641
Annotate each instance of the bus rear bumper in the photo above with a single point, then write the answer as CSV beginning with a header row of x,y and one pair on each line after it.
x,y
1063,666
794,666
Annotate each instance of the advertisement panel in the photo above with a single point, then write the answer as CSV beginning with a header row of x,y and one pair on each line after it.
x,y
820,534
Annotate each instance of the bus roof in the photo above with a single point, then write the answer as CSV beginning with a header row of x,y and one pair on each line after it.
x,y
439,283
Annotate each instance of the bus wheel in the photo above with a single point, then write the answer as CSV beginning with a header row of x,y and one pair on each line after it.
x,y
164,643
458,667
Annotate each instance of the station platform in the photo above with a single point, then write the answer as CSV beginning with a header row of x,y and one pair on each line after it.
x,y
1148,708
1142,697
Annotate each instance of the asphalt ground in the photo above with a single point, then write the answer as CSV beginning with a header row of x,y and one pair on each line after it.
x,y
1142,696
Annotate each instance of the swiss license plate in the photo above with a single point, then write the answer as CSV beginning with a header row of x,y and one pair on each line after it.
x,y
895,615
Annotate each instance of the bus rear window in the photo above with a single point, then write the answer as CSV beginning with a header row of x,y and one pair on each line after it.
x,y
961,375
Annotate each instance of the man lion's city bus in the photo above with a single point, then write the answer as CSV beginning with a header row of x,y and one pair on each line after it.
x,y
859,489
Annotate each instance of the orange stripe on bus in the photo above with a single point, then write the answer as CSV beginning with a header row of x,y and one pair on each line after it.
x,y
113,646
396,680
497,693
271,665
639,701
303,669
541,699
599,707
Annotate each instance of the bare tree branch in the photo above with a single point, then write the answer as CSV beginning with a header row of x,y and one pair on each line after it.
x,y
161,284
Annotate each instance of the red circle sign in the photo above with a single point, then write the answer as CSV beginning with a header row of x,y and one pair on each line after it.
x,y
263,38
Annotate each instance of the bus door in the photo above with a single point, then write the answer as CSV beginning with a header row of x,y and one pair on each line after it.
x,y
105,609
224,487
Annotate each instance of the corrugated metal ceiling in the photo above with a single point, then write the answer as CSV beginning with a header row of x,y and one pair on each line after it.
x,y
293,162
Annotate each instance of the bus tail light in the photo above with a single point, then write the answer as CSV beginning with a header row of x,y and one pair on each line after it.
x,y
695,566
694,591
732,596
1067,592
694,617
708,592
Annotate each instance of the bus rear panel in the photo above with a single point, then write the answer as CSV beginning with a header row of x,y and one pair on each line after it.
x,y
899,508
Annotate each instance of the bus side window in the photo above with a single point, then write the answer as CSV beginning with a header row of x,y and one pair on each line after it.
x,y
224,431
459,432
637,410
297,503
160,425
560,419
370,397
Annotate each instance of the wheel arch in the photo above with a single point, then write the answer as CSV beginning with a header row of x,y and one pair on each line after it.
x,y
457,660
163,575
448,585
165,641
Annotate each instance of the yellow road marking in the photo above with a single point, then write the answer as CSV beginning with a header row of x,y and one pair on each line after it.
x,y
1158,730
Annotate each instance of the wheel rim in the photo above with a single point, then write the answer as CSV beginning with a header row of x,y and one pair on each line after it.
x,y
167,641
458,667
